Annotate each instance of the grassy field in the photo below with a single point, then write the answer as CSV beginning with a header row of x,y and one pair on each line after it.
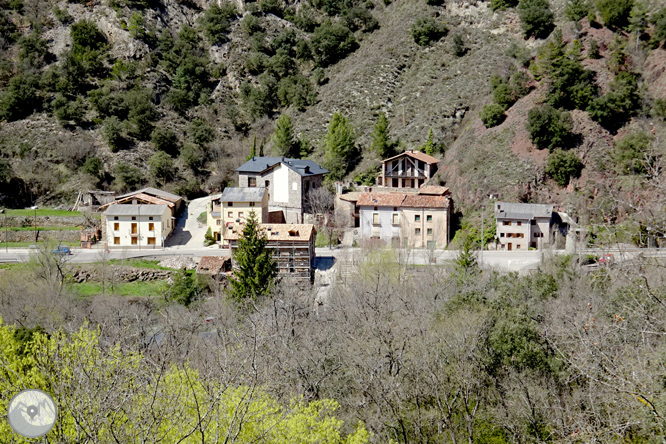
x,y
41,229
141,289
43,212
27,244
138,263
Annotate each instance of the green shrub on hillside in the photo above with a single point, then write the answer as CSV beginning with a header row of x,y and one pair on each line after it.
x,y
161,167
68,111
331,42
93,166
615,13
562,166
261,99
256,63
216,22
571,86
283,138
506,91
296,91
275,7
141,113
361,18
577,10
658,19
33,53
20,98
659,109
164,139
62,15
282,65
593,50
128,175
622,101
200,132
251,24
492,115
549,127
427,30
630,153
502,4
536,18
112,131
381,142
193,156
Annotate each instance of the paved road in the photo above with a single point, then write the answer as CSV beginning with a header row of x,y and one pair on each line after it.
x,y
189,233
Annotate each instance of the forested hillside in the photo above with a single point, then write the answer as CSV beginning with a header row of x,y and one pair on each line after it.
x,y
529,100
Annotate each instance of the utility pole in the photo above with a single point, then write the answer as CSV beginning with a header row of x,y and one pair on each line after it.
x,y
482,238
35,207
6,234
139,224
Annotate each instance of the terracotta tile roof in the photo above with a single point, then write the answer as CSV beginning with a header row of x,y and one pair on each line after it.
x,y
143,197
381,199
434,190
352,196
424,201
277,232
212,264
423,157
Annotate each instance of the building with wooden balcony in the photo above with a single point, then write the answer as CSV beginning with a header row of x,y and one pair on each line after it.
x,y
137,226
410,169
292,246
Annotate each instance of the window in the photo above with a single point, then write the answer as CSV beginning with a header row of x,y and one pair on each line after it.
x,y
151,241
431,245
501,234
417,231
150,218
230,214
375,218
506,223
116,241
252,182
240,214
395,208
115,217
267,183
134,240
429,218
230,204
417,218
533,222
517,246
251,204
396,219
376,208
133,217
151,227
519,223
522,235
429,231
116,226
219,222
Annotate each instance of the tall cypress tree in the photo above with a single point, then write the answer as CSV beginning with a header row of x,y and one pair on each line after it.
x,y
381,143
283,137
256,270
253,150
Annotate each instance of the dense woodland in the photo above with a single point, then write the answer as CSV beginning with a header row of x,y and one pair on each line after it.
x,y
397,354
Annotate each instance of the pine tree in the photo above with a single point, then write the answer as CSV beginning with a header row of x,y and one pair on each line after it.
x,y
256,270
429,147
283,138
261,148
253,151
338,146
381,143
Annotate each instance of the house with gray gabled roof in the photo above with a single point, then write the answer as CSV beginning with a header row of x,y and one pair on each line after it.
x,y
137,226
521,226
234,206
288,182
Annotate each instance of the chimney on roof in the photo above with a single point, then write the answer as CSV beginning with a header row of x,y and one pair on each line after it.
x,y
253,158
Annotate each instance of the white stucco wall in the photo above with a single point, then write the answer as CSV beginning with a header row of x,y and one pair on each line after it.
x,y
385,229
162,228
281,184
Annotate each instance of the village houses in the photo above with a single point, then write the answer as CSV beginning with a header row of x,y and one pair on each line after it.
x,y
410,169
234,206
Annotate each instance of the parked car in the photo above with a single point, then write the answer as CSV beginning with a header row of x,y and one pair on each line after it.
x,y
62,251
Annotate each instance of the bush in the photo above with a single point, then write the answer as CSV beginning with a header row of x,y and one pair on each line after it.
x,y
571,86
161,166
141,113
619,103
507,91
93,166
200,132
296,91
629,153
20,98
593,51
282,65
536,18
331,43
62,15
659,109
658,19
259,100
113,133
275,7
129,175
426,30
459,47
251,24
216,22
193,156
305,19
492,115
361,18
577,10
87,37
69,111
501,5
549,127
33,53
164,139
615,13
562,166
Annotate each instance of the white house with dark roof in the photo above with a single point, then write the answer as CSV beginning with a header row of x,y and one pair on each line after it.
x,y
521,226
288,182
233,206
137,226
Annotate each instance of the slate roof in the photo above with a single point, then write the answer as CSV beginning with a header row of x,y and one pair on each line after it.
x,y
423,157
514,210
135,210
238,194
303,167
277,232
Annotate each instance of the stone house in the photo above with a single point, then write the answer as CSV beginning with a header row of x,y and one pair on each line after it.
x,y
408,220
288,182
234,206
410,169
521,226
